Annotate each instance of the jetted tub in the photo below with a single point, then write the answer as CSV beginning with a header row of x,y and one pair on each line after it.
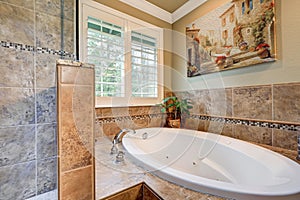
x,y
214,164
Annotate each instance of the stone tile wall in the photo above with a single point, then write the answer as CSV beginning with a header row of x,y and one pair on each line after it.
x,y
30,43
266,114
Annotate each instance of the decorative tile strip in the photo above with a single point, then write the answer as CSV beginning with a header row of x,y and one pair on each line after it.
x,y
105,120
25,47
249,122
227,120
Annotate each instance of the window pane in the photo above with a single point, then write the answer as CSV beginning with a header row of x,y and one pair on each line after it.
x,y
106,51
144,65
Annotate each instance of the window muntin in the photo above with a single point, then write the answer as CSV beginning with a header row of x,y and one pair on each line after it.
x,y
144,65
106,51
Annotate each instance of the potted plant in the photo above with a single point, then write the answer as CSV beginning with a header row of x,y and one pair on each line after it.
x,y
176,110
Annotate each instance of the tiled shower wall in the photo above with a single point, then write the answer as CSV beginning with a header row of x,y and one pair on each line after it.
x,y
30,35
265,114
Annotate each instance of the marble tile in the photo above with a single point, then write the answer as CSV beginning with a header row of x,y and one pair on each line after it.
x,y
253,134
138,110
17,106
139,123
17,182
17,69
17,144
45,65
118,111
156,122
29,4
46,175
77,184
149,194
110,129
192,124
76,138
48,29
252,102
46,105
49,7
154,110
16,18
135,192
98,112
220,102
75,145
219,128
69,36
52,195
46,141
285,139
69,9
286,102
98,130
77,75
202,102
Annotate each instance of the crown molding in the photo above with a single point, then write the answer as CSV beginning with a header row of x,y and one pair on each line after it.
x,y
150,9
155,11
186,9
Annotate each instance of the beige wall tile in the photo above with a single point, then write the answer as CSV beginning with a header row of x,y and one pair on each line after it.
x,y
253,134
285,139
77,184
16,18
287,102
48,30
77,75
252,102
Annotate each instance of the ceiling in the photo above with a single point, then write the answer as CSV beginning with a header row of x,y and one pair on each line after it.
x,y
168,5
166,10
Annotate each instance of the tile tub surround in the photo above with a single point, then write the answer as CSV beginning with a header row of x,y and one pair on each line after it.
x,y
262,114
112,178
76,120
110,121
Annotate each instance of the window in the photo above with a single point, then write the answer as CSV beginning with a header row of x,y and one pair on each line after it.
x,y
251,4
224,21
231,18
126,54
243,8
261,1
225,34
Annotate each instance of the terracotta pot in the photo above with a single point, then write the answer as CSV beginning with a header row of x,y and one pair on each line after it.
x,y
174,123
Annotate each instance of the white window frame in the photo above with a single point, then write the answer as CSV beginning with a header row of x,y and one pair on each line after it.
x,y
92,8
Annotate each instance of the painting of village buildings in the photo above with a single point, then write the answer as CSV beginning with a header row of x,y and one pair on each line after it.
x,y
237,34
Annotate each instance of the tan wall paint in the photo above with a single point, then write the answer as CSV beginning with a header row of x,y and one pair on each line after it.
x,y
286,69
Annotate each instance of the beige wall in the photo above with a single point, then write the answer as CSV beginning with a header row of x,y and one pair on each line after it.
x,y
284,70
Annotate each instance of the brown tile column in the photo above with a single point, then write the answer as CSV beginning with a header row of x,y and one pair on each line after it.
x,y
76,107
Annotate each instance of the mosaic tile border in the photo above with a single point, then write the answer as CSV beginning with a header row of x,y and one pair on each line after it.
x,y
227,120
249,122
25,47
105,120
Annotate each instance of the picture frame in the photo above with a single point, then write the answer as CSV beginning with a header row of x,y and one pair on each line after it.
x,y
236,34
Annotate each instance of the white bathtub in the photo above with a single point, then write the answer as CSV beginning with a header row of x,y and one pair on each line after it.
x,y
214,164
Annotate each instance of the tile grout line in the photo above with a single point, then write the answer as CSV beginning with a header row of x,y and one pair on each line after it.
x,y
35,101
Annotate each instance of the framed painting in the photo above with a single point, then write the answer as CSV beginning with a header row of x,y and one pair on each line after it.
x,y
237,34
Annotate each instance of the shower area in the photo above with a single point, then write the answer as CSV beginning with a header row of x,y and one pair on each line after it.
x,y
34,34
